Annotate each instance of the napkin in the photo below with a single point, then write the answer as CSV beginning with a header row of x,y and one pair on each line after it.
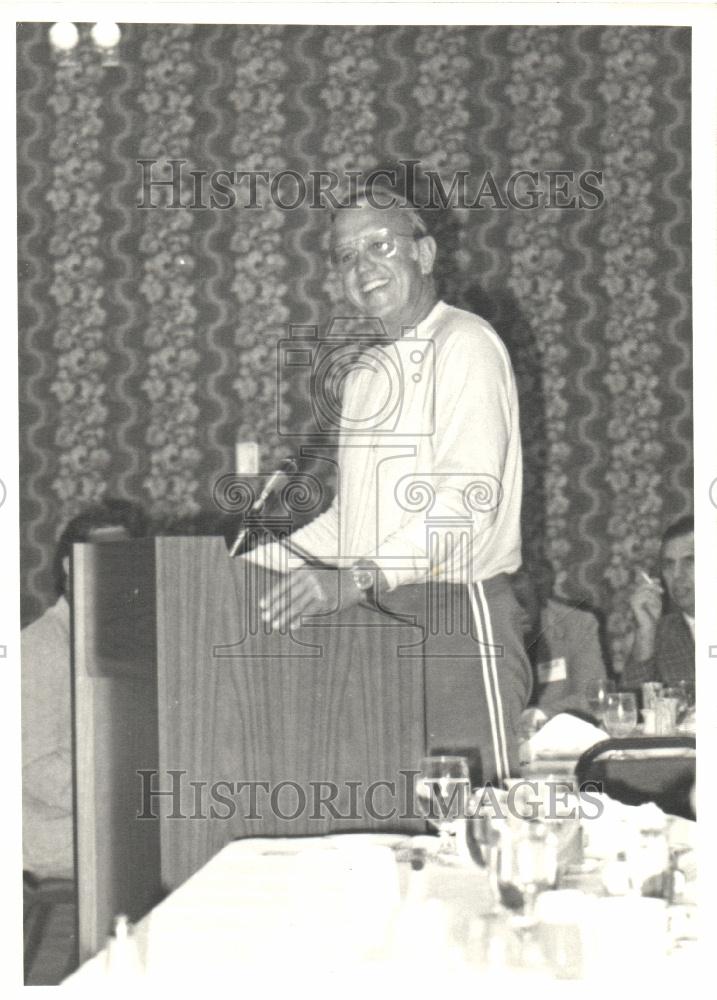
x,y
565,735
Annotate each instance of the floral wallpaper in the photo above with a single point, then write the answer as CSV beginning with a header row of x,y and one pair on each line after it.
x,y
169,325
79,360
148,337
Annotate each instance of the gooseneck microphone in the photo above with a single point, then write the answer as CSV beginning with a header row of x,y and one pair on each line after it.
x,y
285,469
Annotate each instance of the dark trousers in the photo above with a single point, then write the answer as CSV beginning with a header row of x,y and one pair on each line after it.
x,y
477,677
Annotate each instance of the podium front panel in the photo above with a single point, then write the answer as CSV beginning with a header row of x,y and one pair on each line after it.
x,y
274,735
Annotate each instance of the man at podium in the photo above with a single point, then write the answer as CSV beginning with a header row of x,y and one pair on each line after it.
x,y
429,486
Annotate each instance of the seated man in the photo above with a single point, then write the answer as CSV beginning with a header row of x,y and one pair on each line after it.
x,y
563,646
664,646
46,712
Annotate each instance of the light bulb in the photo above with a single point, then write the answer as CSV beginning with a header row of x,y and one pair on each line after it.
x,y
64,36
105,34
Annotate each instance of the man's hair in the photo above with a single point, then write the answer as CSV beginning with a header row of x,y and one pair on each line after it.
x,y
109,512
387,187
685,526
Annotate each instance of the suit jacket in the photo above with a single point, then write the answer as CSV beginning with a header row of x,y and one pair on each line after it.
x,y
674,657
565,657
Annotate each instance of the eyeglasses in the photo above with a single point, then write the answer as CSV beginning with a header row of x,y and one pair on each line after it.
x,y
378,246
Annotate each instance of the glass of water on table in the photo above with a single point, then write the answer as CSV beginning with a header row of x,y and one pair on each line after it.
x,y
443,789
597,692
621,714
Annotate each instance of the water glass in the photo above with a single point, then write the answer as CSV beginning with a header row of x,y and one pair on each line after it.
x,y
562,916
666,716
527,865
487,821
684,693
596,693
650,693
649,723
621,714
442,792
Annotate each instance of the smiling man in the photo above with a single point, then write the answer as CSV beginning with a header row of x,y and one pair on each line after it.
x,y
385,257
664,647
453,434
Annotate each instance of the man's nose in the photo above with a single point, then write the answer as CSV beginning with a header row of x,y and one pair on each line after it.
x,y
363,261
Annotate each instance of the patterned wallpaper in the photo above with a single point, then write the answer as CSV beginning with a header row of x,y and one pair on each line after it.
x,y
148,337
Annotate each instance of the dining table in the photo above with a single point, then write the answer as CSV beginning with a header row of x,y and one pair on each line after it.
x,y
354,910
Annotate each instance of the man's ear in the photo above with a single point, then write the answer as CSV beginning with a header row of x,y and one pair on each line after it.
x,y
427,250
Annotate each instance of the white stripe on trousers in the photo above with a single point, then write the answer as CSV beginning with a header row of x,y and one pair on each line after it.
x,y
484,628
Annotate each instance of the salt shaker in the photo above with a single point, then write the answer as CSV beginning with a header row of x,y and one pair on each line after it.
x,y
123,962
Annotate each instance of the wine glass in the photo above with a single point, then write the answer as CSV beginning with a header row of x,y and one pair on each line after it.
x,y
528,865
487,819
596,693
443,788
621,714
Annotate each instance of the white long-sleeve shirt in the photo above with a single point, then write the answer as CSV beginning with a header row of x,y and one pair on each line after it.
x,y
430,466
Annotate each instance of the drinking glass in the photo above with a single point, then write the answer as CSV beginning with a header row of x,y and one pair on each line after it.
x,y
443,788
621,714
666,715
684,693
487,819
528,865
650,693
596,693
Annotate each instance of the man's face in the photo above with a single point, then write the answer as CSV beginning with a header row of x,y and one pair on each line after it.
x,y
677,563
387,287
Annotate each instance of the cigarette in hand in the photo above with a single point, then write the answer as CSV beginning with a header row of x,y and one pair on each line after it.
x,y
650,580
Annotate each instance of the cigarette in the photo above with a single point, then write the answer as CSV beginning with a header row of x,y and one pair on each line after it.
x,y
649,579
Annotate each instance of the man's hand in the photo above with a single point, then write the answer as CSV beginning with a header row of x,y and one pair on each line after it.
x,y
646,604
307,591
531,720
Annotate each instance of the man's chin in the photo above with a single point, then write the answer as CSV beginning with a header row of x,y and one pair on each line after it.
x,y
377,305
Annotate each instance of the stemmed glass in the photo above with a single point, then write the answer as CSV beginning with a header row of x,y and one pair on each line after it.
x,y
528,865
488,819
443,788
621,714
596,693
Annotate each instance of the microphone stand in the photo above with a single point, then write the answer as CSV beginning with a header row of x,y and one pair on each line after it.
x,y
287,468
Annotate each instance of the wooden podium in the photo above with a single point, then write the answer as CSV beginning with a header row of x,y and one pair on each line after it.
x,y
179,689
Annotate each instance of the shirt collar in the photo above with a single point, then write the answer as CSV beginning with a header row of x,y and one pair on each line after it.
x,y
424,328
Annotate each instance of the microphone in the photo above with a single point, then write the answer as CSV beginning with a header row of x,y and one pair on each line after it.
x,y
285,469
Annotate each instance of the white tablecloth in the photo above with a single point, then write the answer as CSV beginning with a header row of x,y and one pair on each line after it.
x,y
307,913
